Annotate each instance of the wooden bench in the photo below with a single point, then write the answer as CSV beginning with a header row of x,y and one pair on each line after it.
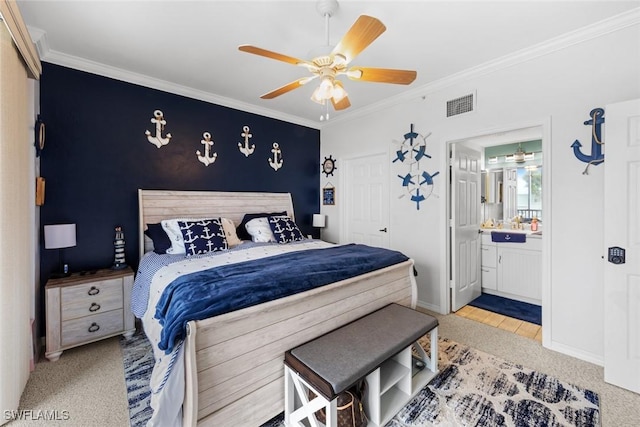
x,y
377,346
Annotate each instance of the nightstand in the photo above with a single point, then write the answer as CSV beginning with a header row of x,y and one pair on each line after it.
x,y
84,308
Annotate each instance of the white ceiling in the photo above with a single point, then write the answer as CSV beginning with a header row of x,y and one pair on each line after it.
x,y
191,47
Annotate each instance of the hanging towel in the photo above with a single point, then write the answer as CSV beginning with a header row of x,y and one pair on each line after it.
x,y
506,237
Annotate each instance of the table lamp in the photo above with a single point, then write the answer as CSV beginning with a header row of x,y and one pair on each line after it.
x,y
60,236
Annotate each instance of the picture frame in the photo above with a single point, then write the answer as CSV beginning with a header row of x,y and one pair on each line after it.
x,y
329,196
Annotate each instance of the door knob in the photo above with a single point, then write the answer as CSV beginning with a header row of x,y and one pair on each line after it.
x,y
384,230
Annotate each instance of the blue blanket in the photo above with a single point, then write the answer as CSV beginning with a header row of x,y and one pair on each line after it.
x,y
220,290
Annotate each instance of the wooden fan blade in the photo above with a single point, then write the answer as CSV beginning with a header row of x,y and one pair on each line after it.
x,y
382,75
286,88
344,103
273,55
361,34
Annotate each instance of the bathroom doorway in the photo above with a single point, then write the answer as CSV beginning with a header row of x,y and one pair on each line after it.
x,y
536,199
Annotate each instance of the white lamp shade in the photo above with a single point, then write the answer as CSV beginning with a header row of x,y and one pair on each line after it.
x,y
318,220
59,236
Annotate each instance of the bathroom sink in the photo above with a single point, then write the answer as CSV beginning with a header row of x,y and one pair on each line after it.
x,y
510,231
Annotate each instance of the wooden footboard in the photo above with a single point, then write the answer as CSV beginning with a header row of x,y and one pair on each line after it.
x,y
234,369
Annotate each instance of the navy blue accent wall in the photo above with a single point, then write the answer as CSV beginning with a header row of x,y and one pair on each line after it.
x,y
97,156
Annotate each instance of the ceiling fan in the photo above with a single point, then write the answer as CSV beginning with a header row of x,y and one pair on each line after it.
x,y
328,66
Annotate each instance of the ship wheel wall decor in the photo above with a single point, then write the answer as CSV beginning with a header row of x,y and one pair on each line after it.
x,y
328,166
417,182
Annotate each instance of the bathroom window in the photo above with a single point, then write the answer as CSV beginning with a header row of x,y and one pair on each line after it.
x,y
530,192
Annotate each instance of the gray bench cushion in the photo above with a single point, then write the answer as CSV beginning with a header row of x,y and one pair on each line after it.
x,y
337,360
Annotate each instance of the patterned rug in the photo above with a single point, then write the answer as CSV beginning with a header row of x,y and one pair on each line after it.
x,y
472,389
138,363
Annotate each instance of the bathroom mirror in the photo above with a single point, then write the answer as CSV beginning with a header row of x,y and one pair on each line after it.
x,y
512,181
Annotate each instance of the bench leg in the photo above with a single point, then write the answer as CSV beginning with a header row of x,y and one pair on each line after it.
x,y
296,387
430,360
433,365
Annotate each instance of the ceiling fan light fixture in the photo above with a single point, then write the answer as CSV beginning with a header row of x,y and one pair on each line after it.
x,y
338,91
326,88
315,96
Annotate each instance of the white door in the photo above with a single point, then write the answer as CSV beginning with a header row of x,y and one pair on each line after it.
x,y
510,196
622,229
367,200
465,220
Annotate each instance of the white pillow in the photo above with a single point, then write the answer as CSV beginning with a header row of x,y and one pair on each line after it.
x,y
230,232
260,230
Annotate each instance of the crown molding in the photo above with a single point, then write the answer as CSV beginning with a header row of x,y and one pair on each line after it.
x,y
93,67
10,14
581,35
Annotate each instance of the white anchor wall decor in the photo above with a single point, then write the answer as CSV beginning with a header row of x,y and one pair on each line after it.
x,y
159,121
208,158
244,148
275,163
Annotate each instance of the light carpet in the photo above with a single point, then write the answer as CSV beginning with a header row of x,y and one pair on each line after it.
x,y
472,389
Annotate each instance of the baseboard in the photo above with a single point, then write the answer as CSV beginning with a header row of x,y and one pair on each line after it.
x,y
429,306
578,354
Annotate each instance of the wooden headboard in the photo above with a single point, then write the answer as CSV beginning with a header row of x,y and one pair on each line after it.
x,y
156,205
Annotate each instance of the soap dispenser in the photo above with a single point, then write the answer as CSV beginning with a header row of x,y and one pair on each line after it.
x,y
534,224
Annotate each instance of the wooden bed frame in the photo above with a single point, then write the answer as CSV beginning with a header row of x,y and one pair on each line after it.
x,y
234,362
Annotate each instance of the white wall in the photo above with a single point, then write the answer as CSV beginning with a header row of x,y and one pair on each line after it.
x,y
562,86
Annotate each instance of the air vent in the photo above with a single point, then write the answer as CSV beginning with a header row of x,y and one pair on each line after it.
x,y
461,105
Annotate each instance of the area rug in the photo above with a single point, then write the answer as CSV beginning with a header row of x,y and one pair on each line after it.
x,y
508,307
472,389
138,361
478,389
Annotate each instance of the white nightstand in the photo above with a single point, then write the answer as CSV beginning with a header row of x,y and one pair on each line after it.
x,y
87,308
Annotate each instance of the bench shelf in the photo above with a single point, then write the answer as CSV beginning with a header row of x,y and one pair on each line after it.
x,y
395,382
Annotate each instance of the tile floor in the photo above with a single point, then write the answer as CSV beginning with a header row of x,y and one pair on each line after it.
x,y
525,329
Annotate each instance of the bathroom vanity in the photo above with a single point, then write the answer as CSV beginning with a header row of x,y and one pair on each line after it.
x,y
513,270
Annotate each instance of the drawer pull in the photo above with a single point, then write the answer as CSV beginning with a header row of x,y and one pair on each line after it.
x,y
93,291
94,327
94,307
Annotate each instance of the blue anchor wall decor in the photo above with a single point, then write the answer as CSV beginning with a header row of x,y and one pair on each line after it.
x,y
208,158
245,149
277,153
159,121
596,157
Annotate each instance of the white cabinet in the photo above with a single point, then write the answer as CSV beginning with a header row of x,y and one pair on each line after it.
x,y
488,264
520,273
513,270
